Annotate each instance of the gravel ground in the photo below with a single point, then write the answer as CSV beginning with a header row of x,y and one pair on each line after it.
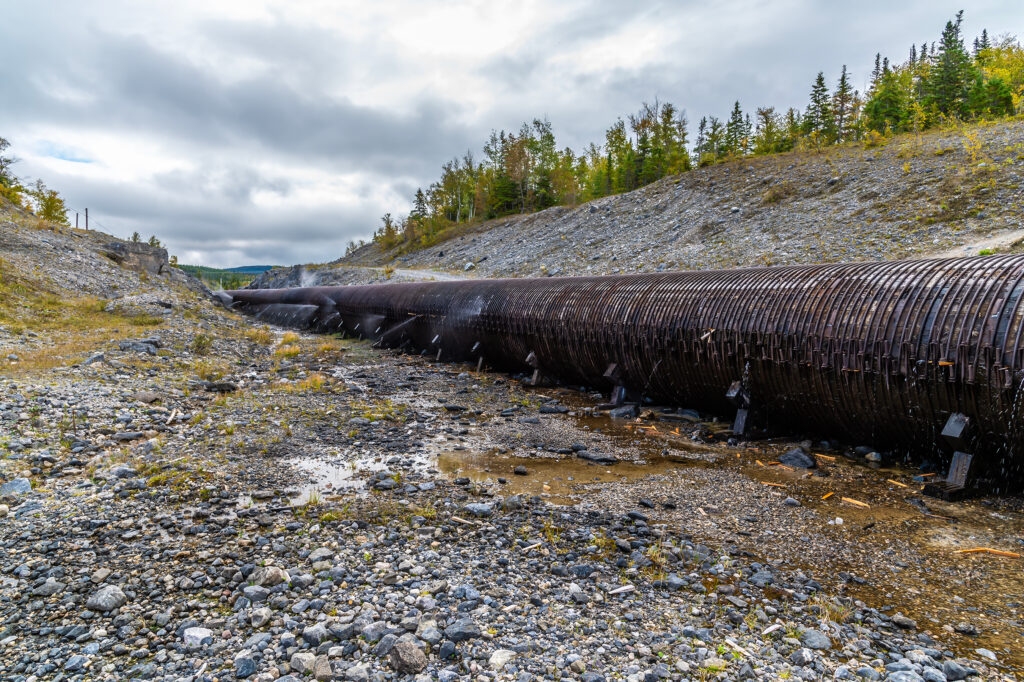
x,y
271,507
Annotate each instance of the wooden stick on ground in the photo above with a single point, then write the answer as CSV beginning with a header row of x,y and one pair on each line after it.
x,y
988,550
856,502
902,485
827,495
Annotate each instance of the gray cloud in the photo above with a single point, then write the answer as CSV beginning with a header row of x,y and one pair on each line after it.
x,y
277,134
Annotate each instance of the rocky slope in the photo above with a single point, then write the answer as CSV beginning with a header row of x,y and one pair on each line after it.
x,y
940,192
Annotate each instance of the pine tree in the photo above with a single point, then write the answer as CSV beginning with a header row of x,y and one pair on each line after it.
x,y
702,138
876,72
715,141
887,109
818,118
842,103
419,206
952,73
734,131
980,46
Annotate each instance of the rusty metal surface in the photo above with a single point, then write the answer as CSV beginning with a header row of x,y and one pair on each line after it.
x,y
874,352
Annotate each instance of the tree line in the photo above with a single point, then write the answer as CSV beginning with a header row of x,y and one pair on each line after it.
x,y
526,171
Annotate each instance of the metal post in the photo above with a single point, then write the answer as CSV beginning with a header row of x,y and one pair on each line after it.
x,y
87,219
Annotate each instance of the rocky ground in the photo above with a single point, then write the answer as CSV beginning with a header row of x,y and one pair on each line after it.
x,y
189,496
945,192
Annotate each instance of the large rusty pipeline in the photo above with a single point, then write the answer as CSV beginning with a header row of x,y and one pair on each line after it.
x,y
881,353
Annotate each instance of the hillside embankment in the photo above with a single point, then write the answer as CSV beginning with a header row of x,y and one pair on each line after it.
x,y
955,191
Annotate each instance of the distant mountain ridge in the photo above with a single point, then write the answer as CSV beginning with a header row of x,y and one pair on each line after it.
x,y
251,269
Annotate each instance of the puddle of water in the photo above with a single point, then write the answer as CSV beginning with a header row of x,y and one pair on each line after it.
x,y
333,478
556,479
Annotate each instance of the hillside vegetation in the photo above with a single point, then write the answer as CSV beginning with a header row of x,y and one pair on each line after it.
x,y
957,190
940,84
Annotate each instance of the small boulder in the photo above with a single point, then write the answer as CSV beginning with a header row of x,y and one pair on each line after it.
x,y
197,638
407,658
16,486
798,458
107,598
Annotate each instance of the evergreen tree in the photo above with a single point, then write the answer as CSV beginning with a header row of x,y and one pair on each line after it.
x,y
735,131
715,146
951,74
419,206
818,118
887,109
876,72
842,105
702,138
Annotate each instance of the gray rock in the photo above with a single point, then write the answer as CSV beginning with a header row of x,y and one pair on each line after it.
x,y
16,486
302,662
904,676
255,593
954,671
260,617
407,658
624,412
902,621
802,656
428,632
268,576
48,588
462,630
315,635
245,665
107,598
322,670
321,554
75,663
815,639
965,628
479,509
197,638
385,645
358,673
798,457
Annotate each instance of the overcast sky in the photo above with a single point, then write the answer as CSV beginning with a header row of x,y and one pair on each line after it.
x,y
264,131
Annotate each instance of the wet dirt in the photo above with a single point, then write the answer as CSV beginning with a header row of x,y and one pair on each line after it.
x,y
896,550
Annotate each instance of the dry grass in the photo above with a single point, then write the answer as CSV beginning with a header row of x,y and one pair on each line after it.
x,y
313,383
72,327
289,338
263,336
289,351
328,348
